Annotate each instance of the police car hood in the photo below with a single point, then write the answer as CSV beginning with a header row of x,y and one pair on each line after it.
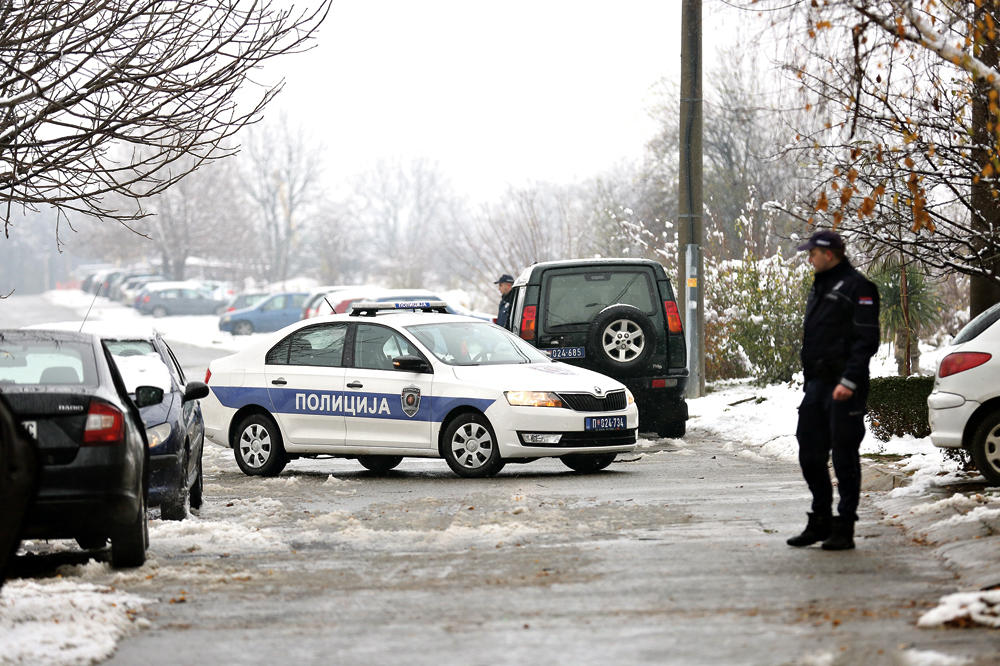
x,y
536,377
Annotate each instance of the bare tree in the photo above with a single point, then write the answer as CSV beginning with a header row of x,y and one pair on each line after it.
x,y
280,176
403,214
108,96
904,95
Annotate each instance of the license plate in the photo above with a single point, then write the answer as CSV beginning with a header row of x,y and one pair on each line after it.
x,y
31,427
604,423
566,352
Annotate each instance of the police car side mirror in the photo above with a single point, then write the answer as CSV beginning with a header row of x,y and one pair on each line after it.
x,y
409,363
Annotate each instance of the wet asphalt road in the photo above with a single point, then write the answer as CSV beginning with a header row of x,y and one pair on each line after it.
x,y
676,556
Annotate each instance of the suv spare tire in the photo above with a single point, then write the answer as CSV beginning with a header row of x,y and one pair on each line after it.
x,y
621,339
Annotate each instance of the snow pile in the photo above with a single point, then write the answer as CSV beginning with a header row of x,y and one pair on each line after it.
x,y
64,622
965,609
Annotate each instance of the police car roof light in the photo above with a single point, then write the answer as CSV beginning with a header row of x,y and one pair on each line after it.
x,y
370,308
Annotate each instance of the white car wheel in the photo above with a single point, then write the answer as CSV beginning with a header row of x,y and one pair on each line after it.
x,y
258,447
470,447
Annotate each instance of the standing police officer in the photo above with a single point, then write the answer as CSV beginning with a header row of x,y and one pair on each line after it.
x,y
504,284
839,338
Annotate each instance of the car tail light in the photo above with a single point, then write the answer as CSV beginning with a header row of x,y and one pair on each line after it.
x,y
528,322
673,317
961,361
658,383
230,309
208,374
105,425
145,299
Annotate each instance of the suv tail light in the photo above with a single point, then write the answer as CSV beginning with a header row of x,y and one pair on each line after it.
x,y
145,299
528,322
673,317
208,374
961,361
105,425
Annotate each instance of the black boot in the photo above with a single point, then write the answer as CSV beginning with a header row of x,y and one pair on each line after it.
x,y
817,529
842,535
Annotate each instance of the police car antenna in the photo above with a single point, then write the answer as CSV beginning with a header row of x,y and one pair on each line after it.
x,y
332,309
92,301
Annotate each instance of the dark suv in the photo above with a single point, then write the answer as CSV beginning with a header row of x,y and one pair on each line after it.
x,y
616,316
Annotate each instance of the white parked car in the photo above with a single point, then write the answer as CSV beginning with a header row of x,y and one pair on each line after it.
x,y
411,383
964,406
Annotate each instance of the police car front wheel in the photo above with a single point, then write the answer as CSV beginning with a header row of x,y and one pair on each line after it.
x,y
470,447
258,447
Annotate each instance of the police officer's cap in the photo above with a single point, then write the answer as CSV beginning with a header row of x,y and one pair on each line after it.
x,y
506,277
824,238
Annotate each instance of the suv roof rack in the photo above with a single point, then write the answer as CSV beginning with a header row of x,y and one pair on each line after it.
x,y
370,308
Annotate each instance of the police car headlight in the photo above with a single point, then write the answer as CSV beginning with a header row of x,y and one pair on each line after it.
x,y
629,398
533,399
158,435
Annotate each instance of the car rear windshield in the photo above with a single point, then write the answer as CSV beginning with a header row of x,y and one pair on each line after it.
x,y
475,343
575,298
41,362
978,325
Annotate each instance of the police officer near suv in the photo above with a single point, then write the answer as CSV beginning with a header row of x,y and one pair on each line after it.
x,y
505,283
840,335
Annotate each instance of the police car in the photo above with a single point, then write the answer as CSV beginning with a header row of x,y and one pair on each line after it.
x,y
416,382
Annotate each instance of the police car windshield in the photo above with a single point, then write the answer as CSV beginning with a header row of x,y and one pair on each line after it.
x,y
475,343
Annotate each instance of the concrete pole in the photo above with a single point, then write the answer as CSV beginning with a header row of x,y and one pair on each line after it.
x,y
690,233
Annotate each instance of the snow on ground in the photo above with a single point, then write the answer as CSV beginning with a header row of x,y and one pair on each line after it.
x,y
72,620
56,621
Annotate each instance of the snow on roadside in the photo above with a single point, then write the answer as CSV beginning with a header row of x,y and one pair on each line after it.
x,y
64,621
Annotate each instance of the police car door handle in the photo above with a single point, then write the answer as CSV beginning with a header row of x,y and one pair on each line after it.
x,y
280,381
355,385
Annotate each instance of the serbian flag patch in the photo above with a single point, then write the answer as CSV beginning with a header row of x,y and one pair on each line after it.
x,y
866,300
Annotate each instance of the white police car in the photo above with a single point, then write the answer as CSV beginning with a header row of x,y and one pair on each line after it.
x,y
414,383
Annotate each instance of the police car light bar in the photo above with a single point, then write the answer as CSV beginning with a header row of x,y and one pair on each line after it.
x,y
370,308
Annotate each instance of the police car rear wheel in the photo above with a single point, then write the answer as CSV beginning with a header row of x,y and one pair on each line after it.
x,y
258,447
587,463
470,447
379,463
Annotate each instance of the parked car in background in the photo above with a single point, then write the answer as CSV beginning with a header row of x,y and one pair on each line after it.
x,y
617,317
964,406
68,394
161,299
274,312
245,300
175,429
19,474
321,294
130,286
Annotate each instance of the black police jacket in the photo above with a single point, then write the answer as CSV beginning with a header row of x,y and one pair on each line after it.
x,y
840,333
503,313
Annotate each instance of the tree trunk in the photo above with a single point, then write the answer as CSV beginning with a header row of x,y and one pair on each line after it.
x,y
984,291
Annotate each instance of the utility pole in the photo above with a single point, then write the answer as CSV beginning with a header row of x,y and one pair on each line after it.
x,y
689,229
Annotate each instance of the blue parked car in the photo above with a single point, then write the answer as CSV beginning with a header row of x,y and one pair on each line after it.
x,y
174,427
270,314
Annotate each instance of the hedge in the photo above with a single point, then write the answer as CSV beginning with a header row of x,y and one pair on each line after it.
x,y
897,406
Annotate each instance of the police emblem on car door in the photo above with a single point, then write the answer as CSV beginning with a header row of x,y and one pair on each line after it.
x,y
410,400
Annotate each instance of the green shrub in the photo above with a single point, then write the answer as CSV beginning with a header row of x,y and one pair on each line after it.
x,y
897,406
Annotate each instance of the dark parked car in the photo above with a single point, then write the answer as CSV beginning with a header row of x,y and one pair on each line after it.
x,y
68,394
161,299
19,472
174,427
616,316
274,312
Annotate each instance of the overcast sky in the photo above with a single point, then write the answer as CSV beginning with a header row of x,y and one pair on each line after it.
x,y
496,93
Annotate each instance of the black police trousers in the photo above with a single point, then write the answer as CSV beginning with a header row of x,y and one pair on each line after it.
x,y
828,426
